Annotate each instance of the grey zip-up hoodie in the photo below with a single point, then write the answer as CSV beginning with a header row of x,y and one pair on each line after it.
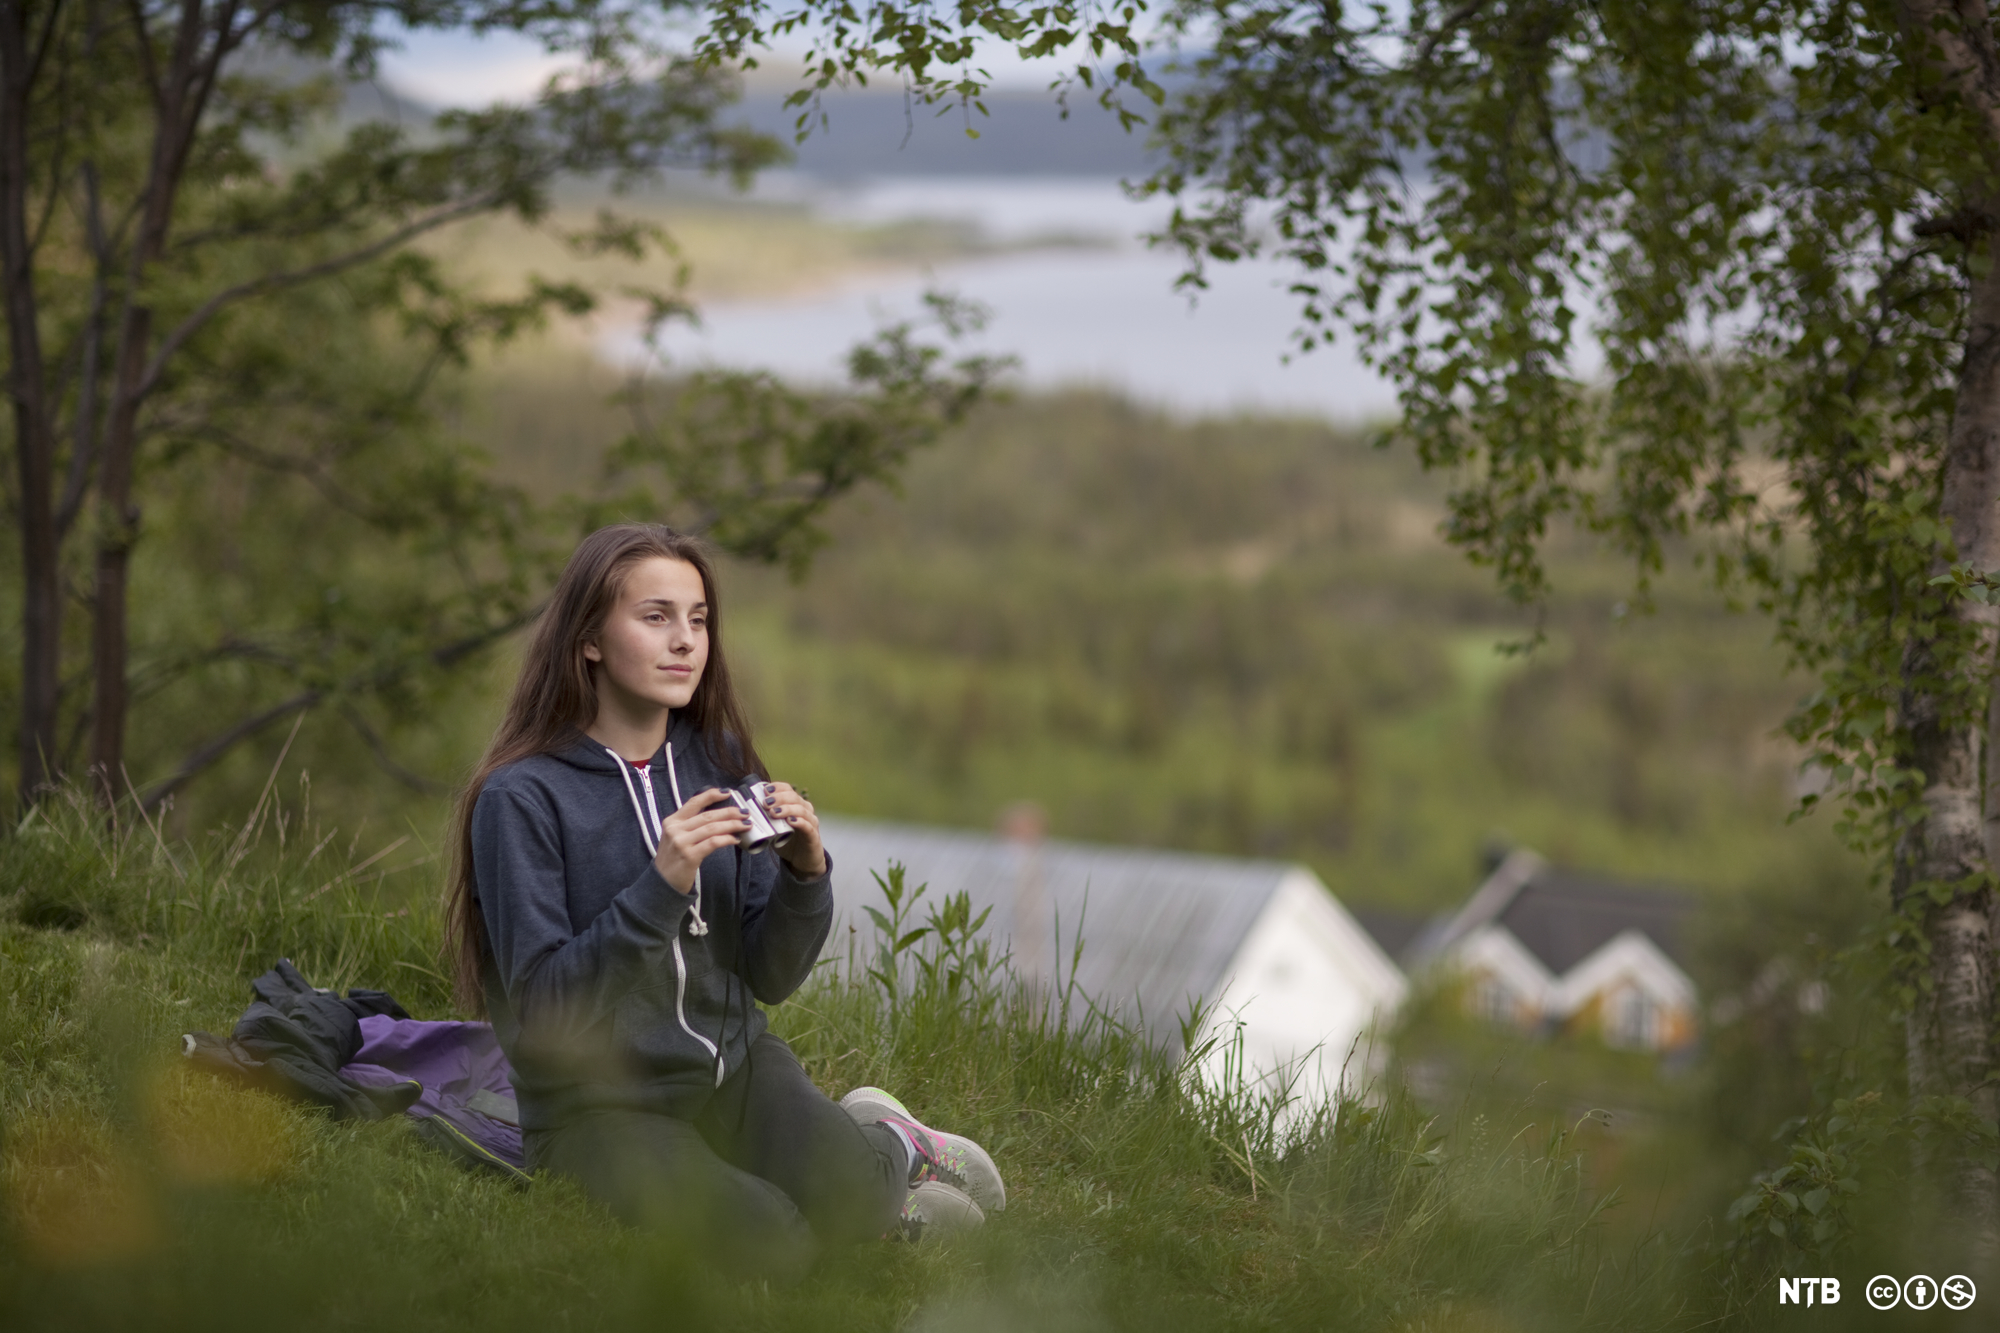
x,y
607,986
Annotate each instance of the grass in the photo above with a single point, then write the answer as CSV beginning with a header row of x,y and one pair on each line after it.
x,y
137,1190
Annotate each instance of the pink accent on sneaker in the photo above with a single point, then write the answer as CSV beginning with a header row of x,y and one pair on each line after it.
x,y
913,1150
951,1159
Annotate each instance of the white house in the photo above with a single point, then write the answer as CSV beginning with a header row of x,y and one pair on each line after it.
x,y
1537,947
1262,942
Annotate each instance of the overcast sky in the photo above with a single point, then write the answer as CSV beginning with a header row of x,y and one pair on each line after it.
x,y
460,69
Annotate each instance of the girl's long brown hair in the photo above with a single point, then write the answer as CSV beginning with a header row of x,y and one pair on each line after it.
x,y
556,698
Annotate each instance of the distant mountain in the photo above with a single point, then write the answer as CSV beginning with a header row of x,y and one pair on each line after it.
x,y
875,133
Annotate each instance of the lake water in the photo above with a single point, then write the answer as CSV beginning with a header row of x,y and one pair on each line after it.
x,y
1098,316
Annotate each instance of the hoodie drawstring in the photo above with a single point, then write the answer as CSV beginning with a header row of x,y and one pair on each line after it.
x,y
651,825
650,831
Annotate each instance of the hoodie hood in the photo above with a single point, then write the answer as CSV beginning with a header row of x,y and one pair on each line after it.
x,y
591,756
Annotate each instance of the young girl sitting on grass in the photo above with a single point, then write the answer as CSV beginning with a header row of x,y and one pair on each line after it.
x,y
603,913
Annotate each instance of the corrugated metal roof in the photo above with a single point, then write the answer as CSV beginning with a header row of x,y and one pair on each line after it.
x,y
1159,928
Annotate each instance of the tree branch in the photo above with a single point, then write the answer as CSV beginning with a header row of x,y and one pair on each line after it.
x,y
46,40
270,282
453,653
376,745
1960,51
40,231
1963,224
203,756
1442,33
83,449
313,470
143,40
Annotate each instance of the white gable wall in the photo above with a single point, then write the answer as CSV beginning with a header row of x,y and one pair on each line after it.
x,y
1627,968
1628,958
1308,983
1490,956
1257,939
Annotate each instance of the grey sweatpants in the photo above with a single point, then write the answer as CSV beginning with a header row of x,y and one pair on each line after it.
x,y
768,1173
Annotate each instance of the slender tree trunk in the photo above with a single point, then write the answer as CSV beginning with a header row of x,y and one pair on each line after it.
x,y
1947,854
34,431
185,85
118,530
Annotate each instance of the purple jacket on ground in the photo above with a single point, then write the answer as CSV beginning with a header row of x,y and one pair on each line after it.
x,y
467,1101
363,1057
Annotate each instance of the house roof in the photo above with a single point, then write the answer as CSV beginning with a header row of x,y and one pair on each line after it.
x,y
1563,916
1394,930
1162,927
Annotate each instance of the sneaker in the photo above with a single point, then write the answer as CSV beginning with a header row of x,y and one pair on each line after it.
x,y
951,1159
934,1211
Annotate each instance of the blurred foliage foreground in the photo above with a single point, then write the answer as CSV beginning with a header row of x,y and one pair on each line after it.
x,y
136,1188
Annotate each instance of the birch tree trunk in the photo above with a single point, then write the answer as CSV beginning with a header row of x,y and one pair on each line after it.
x,y
1944,862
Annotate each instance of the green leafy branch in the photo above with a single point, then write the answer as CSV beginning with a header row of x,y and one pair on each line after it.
x,y
754,463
